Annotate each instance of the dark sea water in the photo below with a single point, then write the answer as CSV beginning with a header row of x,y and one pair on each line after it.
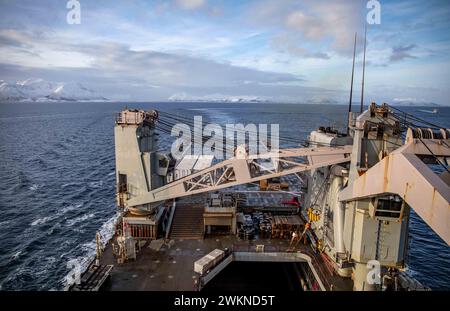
x,y
57,182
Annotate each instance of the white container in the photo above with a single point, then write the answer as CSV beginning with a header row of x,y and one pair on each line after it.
x,y
202,265
208,261
216,255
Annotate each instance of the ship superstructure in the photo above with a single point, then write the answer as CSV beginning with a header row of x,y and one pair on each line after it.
x,y
348,225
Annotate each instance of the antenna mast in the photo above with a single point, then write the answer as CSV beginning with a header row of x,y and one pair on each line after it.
x,y
351,86
364,69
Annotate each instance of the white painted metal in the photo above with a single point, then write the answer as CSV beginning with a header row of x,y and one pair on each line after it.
x,y
208,261
404,174
238,171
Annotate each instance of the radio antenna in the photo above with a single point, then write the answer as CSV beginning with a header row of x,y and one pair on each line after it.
x,y
351,86
364,69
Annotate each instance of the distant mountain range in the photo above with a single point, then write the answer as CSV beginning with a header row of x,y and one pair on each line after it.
x,y
38,90
316,100
183,97
413,102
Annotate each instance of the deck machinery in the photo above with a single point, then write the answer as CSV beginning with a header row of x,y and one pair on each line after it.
x,y
360,186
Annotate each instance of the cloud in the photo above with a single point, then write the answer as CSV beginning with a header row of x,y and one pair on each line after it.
x,y
169,69
13,38
311,27
190,4
225,47
401,52
113,67
325,24
283,43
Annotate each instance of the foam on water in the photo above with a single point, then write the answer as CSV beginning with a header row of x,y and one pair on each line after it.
x,y
42,220
84,217
71,207
16,255
106,232
71,184
34,187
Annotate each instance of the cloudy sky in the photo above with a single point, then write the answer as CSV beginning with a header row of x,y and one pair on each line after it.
x,y
293,51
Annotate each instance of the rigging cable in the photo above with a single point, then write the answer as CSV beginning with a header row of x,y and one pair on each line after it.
x,y
437,159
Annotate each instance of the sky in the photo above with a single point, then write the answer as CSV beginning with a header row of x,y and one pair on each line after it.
x,y
279,50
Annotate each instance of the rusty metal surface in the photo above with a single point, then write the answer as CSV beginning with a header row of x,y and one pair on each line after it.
x,y
404,174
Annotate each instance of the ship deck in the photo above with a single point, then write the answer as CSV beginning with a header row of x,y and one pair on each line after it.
x,y
169,266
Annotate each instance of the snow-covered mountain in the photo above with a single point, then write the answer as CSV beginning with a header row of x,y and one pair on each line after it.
x,y
74,91
10,92
41,90
413,102
217,98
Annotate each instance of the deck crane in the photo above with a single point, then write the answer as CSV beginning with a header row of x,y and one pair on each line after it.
x,y
363,184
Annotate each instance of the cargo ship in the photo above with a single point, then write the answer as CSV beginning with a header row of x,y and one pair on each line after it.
x,y
330,215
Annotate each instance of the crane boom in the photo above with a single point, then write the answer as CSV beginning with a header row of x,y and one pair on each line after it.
x,y
245,169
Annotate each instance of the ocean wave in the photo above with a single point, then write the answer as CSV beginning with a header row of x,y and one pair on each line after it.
x,y
71,222
56,215
96,184
61,146
70,184
4,223
16,255
22,275
71,207
106,232
53,229
34,187
39,161
41,221
22,181
52,154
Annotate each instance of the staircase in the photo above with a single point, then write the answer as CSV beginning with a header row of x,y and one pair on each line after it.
x,y
187,222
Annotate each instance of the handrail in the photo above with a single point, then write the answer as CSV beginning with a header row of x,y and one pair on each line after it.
x,y
169,224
